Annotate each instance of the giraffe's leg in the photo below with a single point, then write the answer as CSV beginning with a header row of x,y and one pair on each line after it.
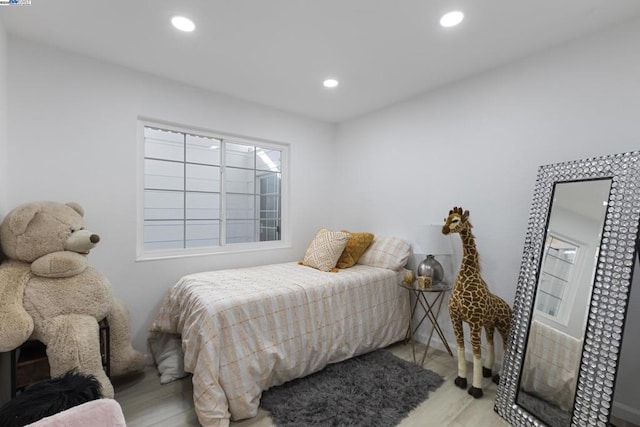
x,y
490,357
503,324
476,387
461,380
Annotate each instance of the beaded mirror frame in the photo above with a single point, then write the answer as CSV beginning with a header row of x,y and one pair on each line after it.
x,y
610,294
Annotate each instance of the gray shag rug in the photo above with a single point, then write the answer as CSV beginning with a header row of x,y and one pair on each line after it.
x,y
375,389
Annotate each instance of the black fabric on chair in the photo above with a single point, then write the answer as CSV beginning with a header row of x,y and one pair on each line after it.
x,y
49,397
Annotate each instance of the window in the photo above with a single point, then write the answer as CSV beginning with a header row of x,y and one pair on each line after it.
x,y
204,192
556,276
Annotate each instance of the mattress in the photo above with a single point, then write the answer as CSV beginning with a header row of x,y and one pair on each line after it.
x,y
245,330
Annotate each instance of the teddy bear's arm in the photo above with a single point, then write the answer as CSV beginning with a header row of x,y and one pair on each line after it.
x,y
16,325
59,264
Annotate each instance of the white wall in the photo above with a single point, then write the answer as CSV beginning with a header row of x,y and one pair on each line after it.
x,y
3,120
478,143
5,392
73,137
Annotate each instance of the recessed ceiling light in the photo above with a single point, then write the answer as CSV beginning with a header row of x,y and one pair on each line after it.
x,y
451,19
330,83
183,24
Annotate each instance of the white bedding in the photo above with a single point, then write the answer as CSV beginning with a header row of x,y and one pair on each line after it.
x,y
245,330
551,366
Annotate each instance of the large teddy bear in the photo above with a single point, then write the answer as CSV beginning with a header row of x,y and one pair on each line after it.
x,y
49,293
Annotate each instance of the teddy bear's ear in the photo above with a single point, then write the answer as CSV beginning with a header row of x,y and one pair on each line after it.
x,y
22,216
76,207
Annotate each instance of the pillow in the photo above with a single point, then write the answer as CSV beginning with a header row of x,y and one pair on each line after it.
x,y
386,252
167,353
357,244
325,249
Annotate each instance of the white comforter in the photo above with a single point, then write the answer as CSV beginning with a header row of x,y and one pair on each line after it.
x,y
551,365
246,330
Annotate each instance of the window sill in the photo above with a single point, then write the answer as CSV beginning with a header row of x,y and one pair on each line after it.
x,y
213,251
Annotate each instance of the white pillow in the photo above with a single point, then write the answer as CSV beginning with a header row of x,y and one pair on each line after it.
x,y
167,353
325,249
386,252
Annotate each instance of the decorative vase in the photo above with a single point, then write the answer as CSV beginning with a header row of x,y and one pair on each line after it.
x,y
431,268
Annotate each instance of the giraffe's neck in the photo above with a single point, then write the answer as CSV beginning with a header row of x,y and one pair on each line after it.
x,y
470,261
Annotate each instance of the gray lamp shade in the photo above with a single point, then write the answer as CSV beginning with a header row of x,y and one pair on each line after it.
x,y
430,267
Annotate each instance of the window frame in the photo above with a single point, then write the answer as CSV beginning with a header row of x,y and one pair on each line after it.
x,y
564,312
227,248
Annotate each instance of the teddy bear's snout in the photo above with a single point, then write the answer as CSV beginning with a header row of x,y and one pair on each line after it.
x,y
81,241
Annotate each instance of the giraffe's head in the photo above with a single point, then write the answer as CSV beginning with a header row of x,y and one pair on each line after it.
x,y
456,221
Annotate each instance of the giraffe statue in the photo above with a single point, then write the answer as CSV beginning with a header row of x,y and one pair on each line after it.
x,y
471,302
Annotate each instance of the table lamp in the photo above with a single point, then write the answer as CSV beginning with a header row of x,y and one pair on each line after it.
x,y
432,242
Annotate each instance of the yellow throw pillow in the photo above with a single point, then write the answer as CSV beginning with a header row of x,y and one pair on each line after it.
x,y
357,244
325,249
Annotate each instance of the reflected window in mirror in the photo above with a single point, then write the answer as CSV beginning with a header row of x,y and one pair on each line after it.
x,y
556,278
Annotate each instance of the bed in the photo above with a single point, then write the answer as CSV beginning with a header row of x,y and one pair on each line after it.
x,y
245,330
552,364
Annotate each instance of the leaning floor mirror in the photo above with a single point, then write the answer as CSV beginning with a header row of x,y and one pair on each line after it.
x,y
572,295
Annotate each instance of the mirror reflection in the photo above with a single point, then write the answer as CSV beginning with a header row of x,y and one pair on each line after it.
x,y
554,345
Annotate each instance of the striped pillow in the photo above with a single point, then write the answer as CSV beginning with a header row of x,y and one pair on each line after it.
x,y
386,252
325,249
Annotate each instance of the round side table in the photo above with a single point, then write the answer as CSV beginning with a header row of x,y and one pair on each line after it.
x,y
430,300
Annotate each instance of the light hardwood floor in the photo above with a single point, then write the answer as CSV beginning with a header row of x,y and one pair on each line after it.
x,y
147,403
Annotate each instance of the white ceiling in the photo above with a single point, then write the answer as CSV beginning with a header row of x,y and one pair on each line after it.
x,y
277,52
